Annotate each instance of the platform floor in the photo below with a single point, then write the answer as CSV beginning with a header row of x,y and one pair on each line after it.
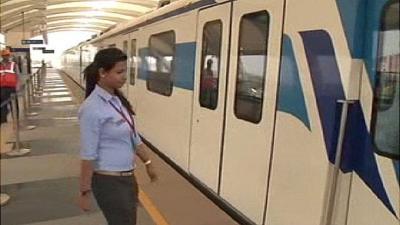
x,y
43,185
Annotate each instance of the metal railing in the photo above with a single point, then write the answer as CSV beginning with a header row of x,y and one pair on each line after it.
x,y
30,91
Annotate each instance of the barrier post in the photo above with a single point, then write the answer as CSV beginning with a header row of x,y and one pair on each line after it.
x,y
17,151
31,92
34,81
334,178
28,98
25,96
44,69
38,88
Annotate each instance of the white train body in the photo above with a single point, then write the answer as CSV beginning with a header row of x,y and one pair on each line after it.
x,y
264,138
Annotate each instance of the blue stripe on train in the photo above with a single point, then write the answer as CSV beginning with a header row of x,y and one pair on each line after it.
x,y
184,65
362,34
291,96
358,149
143,68
362,31
183,75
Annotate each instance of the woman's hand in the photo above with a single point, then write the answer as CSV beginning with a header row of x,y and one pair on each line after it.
x,y
151,172
141,151
85,184
85,202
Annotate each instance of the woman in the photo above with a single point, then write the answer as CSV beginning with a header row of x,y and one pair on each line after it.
x,y
110,141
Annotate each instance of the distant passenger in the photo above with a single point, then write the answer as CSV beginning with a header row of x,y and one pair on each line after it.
x,y
44,68
208,80
110,141
9,83
208,86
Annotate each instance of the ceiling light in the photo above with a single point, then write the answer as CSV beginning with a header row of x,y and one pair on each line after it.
x,y
102,4
94,13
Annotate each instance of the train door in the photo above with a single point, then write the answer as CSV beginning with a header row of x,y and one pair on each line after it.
x,y
375,185
209,94
132,69
251,99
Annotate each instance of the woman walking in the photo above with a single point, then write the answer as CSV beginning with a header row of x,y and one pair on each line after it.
x,y
110,141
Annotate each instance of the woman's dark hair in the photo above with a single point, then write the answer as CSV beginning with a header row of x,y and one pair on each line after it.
x,y
105,59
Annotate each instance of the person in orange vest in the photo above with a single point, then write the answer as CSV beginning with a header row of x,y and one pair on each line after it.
x,y
208,86
9,82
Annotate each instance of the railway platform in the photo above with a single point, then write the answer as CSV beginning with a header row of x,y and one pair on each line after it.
x,y
41,186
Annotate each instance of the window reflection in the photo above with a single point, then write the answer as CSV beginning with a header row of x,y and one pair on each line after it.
x,y
160,63
211,50
385,124
251,66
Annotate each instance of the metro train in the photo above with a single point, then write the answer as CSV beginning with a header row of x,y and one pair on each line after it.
x,y
285,111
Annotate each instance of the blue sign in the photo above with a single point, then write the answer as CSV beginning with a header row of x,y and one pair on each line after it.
x,y
19,49
39,48
47,51
31,42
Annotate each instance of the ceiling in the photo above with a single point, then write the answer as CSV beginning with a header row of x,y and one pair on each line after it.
x,y
38,16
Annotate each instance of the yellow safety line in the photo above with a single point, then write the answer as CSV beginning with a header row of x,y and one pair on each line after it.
x,y
155,214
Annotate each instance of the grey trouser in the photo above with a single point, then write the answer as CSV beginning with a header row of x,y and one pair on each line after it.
x,y
117,198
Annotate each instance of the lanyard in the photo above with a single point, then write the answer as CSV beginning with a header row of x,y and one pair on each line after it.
x,y
131,124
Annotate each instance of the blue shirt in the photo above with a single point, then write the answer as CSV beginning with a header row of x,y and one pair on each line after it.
x,y
106,137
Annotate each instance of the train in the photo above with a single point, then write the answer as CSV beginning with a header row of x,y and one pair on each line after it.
x,y
285,111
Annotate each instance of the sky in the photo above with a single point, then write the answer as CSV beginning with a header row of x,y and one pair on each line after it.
x,y
59,42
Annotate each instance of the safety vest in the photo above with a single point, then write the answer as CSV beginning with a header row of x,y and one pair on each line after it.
x,y
8,77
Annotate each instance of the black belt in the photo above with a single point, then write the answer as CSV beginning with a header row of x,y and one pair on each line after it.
x,y
115,173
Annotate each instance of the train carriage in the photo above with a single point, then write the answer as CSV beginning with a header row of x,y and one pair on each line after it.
x,y
286,111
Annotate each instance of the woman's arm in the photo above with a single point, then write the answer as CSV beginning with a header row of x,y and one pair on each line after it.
x,y
86,176
90,127
141,151
85,184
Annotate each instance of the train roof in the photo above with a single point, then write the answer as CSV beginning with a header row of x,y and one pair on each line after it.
x,y
154,16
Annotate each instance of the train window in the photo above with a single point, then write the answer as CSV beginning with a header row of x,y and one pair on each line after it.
x,y
210,61
385,122
160,63
133,62
251,66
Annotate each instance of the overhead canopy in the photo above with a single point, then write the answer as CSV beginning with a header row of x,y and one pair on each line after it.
x,y
37,16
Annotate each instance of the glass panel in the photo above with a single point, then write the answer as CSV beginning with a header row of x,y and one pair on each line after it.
x,y
160,63
210,61
125,47
2,40
133,62
251,66
385,124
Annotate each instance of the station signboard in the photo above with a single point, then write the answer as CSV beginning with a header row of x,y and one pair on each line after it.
x,y
20,49
39,48
48,51
31,42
